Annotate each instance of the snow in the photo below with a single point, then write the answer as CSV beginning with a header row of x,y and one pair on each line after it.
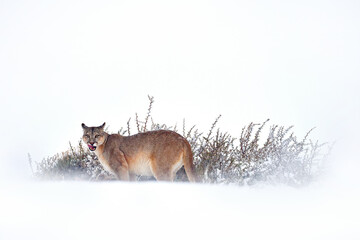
x,y
294,63
152,210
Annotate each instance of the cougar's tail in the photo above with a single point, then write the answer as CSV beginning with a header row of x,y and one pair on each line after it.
x,y
188,162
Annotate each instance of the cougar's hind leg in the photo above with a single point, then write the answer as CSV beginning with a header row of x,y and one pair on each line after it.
x,y
161,172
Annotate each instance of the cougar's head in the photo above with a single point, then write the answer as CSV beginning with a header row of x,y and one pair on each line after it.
x,y
93,136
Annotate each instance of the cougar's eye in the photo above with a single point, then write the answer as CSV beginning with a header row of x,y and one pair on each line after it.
x,y
87,136
97,136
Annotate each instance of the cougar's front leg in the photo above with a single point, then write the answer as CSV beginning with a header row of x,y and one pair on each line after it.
x,y
133,177
120,165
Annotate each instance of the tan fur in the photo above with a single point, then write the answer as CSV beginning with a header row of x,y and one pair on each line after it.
x,y
155,153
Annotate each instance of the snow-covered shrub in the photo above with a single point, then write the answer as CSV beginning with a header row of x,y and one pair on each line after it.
x,y
218,156
281,158
75,163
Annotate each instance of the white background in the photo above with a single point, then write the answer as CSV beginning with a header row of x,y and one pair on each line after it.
x,y
67,62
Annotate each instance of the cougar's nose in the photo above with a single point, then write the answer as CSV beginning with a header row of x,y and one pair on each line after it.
x,y
92,143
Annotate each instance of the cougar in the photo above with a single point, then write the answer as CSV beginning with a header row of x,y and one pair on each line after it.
x,y
158,153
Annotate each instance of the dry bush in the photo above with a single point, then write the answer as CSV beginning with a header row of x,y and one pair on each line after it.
x,y
75,163
218,156
280,159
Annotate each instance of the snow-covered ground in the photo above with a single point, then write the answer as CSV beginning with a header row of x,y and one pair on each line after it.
x,y
61,62
326,209
118,210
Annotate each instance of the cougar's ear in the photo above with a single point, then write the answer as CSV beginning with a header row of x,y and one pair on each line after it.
x,y
84,126
102,126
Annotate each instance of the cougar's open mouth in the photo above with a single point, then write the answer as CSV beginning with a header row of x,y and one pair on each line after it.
x,y
91,147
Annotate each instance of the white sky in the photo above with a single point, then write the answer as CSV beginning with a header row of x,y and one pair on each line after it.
x,y
67,62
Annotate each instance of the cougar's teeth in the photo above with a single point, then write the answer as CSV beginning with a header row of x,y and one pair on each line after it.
x,y
91,147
